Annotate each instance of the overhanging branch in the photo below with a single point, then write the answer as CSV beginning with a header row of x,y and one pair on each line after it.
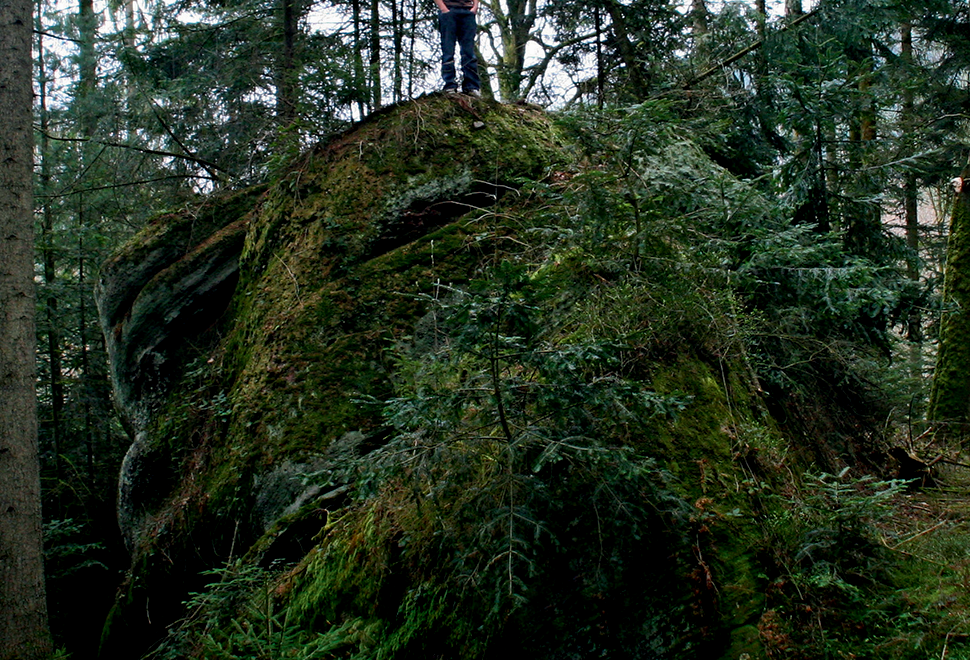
x,y
209,167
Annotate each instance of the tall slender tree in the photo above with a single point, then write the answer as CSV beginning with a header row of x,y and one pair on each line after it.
x,y
286,73
88,67
914,322
374,61
48,254
23,610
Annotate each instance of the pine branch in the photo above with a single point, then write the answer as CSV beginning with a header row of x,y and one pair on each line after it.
x,y
73,190
44,33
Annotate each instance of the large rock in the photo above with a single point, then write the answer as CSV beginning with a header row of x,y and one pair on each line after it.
x,y
251,337
168,286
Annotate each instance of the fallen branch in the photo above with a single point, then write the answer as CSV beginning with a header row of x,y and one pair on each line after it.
x,y
916,536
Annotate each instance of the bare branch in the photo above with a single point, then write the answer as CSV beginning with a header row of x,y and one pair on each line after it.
x,y
145,150
536,70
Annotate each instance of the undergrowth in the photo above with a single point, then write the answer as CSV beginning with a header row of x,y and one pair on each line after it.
x,y
506,470
844,587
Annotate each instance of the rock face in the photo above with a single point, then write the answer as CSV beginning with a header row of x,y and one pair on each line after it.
x,y
165,289
174,282
452,279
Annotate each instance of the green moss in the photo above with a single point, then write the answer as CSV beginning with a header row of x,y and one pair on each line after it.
x,y
950,396
186,230
319,341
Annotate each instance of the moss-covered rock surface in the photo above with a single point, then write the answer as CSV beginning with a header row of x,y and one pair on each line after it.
x,y
464,382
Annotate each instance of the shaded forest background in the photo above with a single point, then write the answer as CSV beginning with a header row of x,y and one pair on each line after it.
x,y
850,113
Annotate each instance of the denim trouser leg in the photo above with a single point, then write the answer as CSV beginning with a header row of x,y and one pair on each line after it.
x,y
467,28
459,26
449,35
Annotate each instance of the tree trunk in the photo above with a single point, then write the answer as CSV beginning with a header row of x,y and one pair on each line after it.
x,y
129,41
88,67
397,27
515,22
914,322
23,610
375,54
359,82
600,69
761,29
863,224
48,257
412,37
950,395
626,49
699,29
82,326
286,88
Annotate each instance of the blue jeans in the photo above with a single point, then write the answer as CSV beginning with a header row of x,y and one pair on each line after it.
x,y
459,26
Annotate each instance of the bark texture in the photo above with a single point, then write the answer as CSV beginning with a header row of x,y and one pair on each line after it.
x,y
23,611
950,396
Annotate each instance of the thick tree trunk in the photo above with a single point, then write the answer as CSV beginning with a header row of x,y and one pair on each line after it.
x,y
699,29
88,67
23,610
626,49
863,224
515,20
950,396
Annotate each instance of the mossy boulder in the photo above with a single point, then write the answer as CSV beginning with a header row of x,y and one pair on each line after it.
x,y
267,345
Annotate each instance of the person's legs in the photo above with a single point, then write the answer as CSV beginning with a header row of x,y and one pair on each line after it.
x,y
448,27
466,29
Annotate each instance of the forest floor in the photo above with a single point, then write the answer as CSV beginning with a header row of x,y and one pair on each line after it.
x,y
930,529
